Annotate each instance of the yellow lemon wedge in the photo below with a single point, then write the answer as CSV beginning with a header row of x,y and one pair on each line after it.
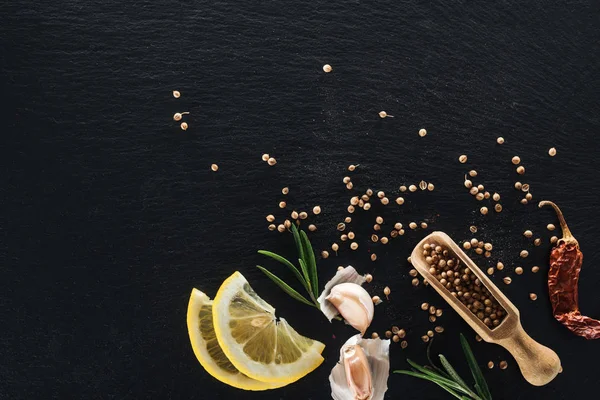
x,y
258,345
207,349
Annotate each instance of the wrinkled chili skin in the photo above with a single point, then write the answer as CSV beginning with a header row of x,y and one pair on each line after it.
x,y
563,282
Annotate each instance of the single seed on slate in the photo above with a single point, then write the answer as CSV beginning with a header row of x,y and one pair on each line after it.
x,y
401,333
430,333
348,220
282,204
374,335
327,68
422,185
394,233
423,225
533,296
425,338
379,220
374,238
528,233
478,338
500,140
349,185
524,201
439,329
507,280
294,215
184,126
351,167
496,197
312,227
422,132
341,226
344,237
490,271
439,312
397,226
432,310
413,272
270,218
388,334
487,254
430,187
486,195
387,292
474,242
383,114
281,228
480,187
518,185
484,210
351,235
552,152
412,188
404,344
350,209
376,300
395,330
396,339
383,240
499,266
503,365
385,201
403,188
369,192
473,229
525,187
381,194
520,170
335,247
550,227
367,206
287,224
265,157
537,241
415,282
271,161
178,116
316,210
469,185
498,207
480,196
354,245
272,227
373,257
425,306
490,364
176,94
466,245
553,239
346,179
488,246
516,160
518,270
462,159
523,253
528,196
325,254
535,269
472,173
401,232
412,225
303,215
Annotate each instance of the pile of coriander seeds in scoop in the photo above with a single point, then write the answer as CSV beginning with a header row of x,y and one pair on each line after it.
x,y
463,284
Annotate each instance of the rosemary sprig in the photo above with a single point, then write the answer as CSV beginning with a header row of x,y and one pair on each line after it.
x,y
448,379
306,274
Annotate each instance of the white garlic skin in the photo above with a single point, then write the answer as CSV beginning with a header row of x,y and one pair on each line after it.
x,y
354,304
358,372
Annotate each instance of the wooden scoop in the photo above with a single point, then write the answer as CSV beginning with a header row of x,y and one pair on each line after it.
x,y
538,364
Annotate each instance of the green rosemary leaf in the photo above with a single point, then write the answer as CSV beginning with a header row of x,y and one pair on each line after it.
x,y
299,247
285,287
285,262
434,375
480,383
432,379
311,263
306,277
431,363
455,377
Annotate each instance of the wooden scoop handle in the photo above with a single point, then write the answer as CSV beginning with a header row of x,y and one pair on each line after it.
x,y
538,364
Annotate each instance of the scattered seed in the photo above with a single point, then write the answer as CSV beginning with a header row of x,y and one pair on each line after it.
x,y
473,229
367,206
533,296
373,257
500,140
270,218
184,126
537,241
423,225
381,194
467,245
312,227
369,192
469,185
472,173
327,68
503,365
422,132
271,161
335,247
422,185
412,188
480,188
523,253
528,233
376,300
550,227
520,170
374,238
384,240
490,364
490,271
412,225
396,339
496,197
525,187
488,246
425,306
350,209
498,207
404,344
516,160
281,228
403,188
395,330
552,152
351,167
439,329
499,266
415,282
487,195
176,94
282,204
383,114
325,254
462,159
341,226
528,196
553,239
439,312
265,157
478,338
401,333
425,338
519,270
432,310
387,292
518,185
385,201
349,185
354,245
480,196
430,334
430,187
374,335
346,179
351,235
535,269
294,215
388,334
432,318
303,215
484,210
507,280
368,278
524,201
413,272
474,242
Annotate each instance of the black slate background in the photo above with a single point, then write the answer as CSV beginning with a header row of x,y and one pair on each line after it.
x,y
110,213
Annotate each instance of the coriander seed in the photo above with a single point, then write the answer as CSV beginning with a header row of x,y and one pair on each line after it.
x,y
316,210
344,237
473,229
401,333
518,185
490,271
415,282
430,187
483,210
349,185
351,167
351,235
265,157
552,152
498,207
425,306
367,206
383,114
368,278
384,240
388,334
387,292
398,226
294,215
176,94
516,160
422,185
490,364
379,220
395,330
348,220
325,254
271,161
396,338
385,201
373,257
507,280
341,226
480,196
503,365
473,191
422,132
518,270
520,170
499,266
303,215
402,188
350,209
524,201
523,253
354,245
404,344
184,126
496,197
537,241
270,218
327,68
312,227
282,204
423,225
272,227
462,159
467,245
376,300
346,179
412,188
335,247
528,233
535,269
430,334
469,184
413,272
528,196
500,140
374,238
281,228
425,338
553,239
374,335
439,329
412,225
472,173
533,296
550,227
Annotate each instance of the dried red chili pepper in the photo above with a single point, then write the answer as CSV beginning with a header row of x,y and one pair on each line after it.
x,y
563,278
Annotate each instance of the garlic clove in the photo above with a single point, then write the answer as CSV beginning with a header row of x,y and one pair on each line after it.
x,y
376,352
358,372
354,304
346,275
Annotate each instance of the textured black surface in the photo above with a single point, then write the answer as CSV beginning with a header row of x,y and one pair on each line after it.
x,y
111,213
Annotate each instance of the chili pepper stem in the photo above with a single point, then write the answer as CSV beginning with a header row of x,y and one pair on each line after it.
x,y
566,232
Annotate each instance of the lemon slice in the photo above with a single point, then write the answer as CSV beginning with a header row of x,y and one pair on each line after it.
x,y
207,350
258,345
